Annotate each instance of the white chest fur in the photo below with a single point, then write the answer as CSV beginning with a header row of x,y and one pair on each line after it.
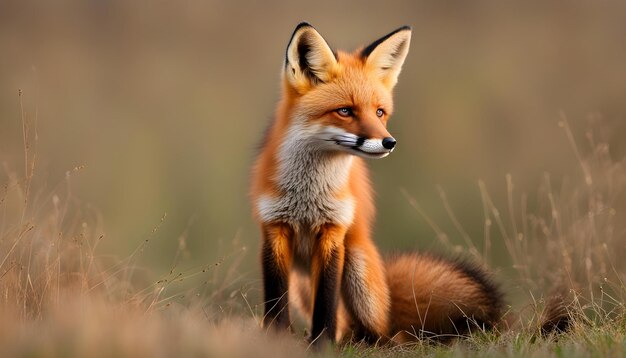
x,y
309,179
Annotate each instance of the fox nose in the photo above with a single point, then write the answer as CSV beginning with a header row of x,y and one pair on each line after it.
x,y
389,142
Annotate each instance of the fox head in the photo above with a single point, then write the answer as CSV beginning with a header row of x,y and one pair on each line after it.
x,y
342,101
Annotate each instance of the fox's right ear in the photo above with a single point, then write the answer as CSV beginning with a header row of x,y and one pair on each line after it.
x,y
309,59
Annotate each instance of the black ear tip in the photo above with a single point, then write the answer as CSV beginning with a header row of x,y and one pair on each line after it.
x,y
368,50
293,34
301,25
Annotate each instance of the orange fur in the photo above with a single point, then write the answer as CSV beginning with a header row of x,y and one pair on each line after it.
x,y
434,297
312,197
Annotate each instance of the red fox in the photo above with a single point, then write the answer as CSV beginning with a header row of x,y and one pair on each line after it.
x,y
312,197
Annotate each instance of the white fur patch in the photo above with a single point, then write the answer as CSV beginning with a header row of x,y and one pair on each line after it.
x,y
370,148
374,146
309,177
291,210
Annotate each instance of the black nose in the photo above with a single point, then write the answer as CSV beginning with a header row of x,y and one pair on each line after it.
x,y
389,142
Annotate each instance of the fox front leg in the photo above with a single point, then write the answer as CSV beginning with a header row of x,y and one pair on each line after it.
x,y
365,289
276,257
327,267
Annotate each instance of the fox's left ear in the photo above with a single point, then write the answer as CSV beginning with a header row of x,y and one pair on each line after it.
x,y
386,55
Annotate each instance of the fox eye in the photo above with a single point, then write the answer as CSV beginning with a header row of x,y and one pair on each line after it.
x,y
380,112
345,112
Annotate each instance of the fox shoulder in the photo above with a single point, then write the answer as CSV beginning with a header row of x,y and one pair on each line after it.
x,y
436,297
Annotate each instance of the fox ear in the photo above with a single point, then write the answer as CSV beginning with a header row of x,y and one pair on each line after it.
x,y
309,59
386,55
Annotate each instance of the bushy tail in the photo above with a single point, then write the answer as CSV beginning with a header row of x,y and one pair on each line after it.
x,y
558,314
435,297
438,298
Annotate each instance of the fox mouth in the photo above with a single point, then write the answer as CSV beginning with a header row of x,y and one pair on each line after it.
x,y
374,155
367,148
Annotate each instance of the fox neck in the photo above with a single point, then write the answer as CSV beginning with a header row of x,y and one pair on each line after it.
x,y
312,179
301,158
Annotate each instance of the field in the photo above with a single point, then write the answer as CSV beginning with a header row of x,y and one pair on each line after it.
x,y
127,132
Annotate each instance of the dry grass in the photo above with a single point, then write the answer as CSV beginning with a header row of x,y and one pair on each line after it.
x,y
58,297
567,238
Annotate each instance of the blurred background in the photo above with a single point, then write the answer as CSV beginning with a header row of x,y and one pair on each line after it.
x,y
164,102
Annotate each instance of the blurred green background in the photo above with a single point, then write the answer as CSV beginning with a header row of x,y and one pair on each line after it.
x,y
164,102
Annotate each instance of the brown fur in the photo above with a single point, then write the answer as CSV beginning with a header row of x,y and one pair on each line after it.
x,y
560,312
329,267
431,297
435,297
348,83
